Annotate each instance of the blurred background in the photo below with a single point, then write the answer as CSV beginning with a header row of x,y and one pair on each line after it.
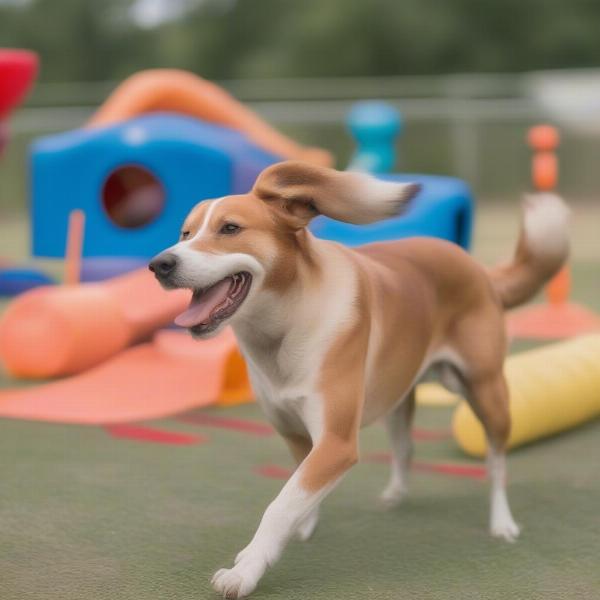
x,y
469,76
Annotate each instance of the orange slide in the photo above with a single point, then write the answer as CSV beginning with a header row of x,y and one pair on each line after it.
x,y
172,90
171,374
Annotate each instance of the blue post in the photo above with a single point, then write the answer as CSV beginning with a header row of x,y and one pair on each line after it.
x,y
375,126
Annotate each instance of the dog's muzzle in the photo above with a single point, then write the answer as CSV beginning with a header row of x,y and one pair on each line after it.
x,y
164,266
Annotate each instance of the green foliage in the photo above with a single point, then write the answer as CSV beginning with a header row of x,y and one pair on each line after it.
x,y
95,40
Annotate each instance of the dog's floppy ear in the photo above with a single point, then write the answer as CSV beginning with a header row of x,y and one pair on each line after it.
x,y
299,191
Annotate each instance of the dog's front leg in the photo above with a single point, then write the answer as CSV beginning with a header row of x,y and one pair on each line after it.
x,y
318,474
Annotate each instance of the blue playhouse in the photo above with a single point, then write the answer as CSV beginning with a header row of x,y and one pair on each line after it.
x,y
137,180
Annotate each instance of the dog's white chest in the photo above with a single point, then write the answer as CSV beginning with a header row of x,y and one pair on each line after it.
x,y
292,409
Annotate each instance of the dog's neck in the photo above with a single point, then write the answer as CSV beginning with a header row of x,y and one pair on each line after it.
x,y
280,328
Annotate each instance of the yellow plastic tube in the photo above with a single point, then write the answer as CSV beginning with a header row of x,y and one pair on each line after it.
x,y
552,389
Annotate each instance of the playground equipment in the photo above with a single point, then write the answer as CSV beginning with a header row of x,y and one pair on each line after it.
x,y
136,173
557,318
136,181
174,91
60,330
18,69
135,176
443,208
171,374
375,127
552,389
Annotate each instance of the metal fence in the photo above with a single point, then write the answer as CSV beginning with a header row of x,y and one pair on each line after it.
x,y
470,126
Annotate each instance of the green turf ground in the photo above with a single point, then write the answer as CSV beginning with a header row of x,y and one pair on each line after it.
x,y
86,516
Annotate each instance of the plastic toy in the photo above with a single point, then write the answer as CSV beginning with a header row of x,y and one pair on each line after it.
x,y
16,280
443,208
552,389
558,318
18,69
375,126
149,381
61,330
174,91
135,181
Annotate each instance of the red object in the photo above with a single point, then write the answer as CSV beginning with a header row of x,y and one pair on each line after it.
x,y
241,425
141,433
18,69
470,471
453,469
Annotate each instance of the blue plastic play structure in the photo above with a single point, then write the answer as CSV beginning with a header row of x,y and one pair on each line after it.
x,y
375,127
189,159
16,280
170,162
443,208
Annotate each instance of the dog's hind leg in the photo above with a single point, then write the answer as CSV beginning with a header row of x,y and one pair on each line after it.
x,y
398,424
489,399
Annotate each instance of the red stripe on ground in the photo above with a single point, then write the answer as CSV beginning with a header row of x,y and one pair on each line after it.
x,y
453,469
252,427
431,435
140,433
274,472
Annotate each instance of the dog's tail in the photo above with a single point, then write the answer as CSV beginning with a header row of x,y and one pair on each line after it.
x,y
542,249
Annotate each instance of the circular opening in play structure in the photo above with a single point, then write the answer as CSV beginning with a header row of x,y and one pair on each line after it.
x,y
132,197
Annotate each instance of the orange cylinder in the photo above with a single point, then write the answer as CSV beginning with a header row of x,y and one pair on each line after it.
x,y
61,330
544,171
57,331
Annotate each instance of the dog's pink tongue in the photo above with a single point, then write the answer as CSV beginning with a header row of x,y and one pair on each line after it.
x,y
201,307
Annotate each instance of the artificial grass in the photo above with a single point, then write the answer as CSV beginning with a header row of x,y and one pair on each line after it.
x,y
85,515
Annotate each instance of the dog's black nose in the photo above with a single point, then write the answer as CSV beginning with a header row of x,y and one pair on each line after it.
x,y
163,265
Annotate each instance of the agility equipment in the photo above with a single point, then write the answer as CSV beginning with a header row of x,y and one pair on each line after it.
x,y
60,330
17,280
557,318
18,69
169,375
375,127
175,91
552,389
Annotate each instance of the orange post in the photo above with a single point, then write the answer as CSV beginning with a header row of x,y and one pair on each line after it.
x,y
74,248
558,318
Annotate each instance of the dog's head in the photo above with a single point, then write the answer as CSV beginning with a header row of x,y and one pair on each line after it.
x,y
232,247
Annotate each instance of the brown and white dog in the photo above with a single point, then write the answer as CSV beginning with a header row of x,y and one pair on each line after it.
x,y
336,338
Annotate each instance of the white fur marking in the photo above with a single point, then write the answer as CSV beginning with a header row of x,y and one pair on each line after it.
x,y
502,524
546,224
204,227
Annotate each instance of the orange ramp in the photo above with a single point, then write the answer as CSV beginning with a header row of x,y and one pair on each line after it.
x,y
172,90
169,375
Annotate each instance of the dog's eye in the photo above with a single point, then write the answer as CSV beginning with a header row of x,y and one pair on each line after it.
x,y
230,228
185,235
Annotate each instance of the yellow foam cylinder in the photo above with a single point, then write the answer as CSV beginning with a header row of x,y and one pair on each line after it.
x,y
552,389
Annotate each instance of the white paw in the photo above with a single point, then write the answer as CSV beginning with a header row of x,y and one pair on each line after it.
x,y
393,495
505,529
233,583
308,526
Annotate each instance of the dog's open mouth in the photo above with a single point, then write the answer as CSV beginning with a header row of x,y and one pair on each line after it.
x,y
212,305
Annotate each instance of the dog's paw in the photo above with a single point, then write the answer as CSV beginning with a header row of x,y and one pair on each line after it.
x,y
233,583
308,526
392,496
505,529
